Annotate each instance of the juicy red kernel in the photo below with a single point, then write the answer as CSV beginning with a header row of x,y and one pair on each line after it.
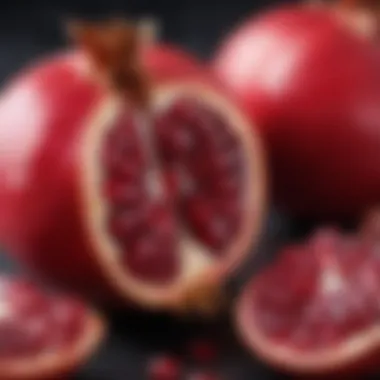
x,y
126,223
196,155
164,368
208,223
203,351
204,376
32,323
213,221
152,257
331,284
124,194
215,160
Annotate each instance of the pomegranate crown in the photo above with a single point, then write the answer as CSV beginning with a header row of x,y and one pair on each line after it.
x,y
115,48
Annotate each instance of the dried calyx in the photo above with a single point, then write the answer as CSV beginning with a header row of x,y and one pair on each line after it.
x,y
114,48
363,16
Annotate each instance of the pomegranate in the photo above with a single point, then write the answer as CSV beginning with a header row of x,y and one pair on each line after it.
x,y
164,368
43,336
125,182
204,376
315,310
203,351
308,74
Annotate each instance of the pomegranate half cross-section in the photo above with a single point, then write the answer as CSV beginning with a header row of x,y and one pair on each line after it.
x,y
315,311
121,183
43,336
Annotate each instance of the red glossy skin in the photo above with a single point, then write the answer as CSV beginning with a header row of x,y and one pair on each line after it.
x,y
42,118
46,123
168,62
313,86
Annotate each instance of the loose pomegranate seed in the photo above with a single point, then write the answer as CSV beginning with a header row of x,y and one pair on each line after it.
x,y
203,351
164,368
204,376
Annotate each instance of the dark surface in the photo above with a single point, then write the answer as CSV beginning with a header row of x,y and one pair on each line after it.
x,y
136,337
29,31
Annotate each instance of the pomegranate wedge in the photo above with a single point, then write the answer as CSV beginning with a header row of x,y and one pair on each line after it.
x,y
315,311
43,336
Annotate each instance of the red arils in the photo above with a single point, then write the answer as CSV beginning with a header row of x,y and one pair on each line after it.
x,y
204,376
116,150
201,354
151,257
326,320
164,368
43,336
203,351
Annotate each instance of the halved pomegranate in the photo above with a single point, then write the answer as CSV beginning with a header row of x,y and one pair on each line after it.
x,y
122,181
43,336
315,311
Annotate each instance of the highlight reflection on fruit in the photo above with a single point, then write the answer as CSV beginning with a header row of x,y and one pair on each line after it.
x,y
126,176
308,74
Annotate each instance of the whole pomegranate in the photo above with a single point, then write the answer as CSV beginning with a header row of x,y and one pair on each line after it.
x,y
125,175
309,75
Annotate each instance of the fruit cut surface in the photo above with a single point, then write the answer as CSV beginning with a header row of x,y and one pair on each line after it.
x,y
43,334
184,175
316,309
158,181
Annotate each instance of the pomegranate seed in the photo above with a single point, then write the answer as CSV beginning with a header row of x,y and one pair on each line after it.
x,y
123,194
126,223
206,224
172,181
164,368
152,259
203,351
204,376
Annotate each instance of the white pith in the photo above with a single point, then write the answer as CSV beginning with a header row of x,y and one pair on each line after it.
x,y
198,265
57,363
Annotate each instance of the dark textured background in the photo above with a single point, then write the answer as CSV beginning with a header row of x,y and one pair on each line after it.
x,y
29,31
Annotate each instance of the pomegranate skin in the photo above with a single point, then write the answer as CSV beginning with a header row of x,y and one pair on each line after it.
x,y
313,85
43,223
168,63
44,109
